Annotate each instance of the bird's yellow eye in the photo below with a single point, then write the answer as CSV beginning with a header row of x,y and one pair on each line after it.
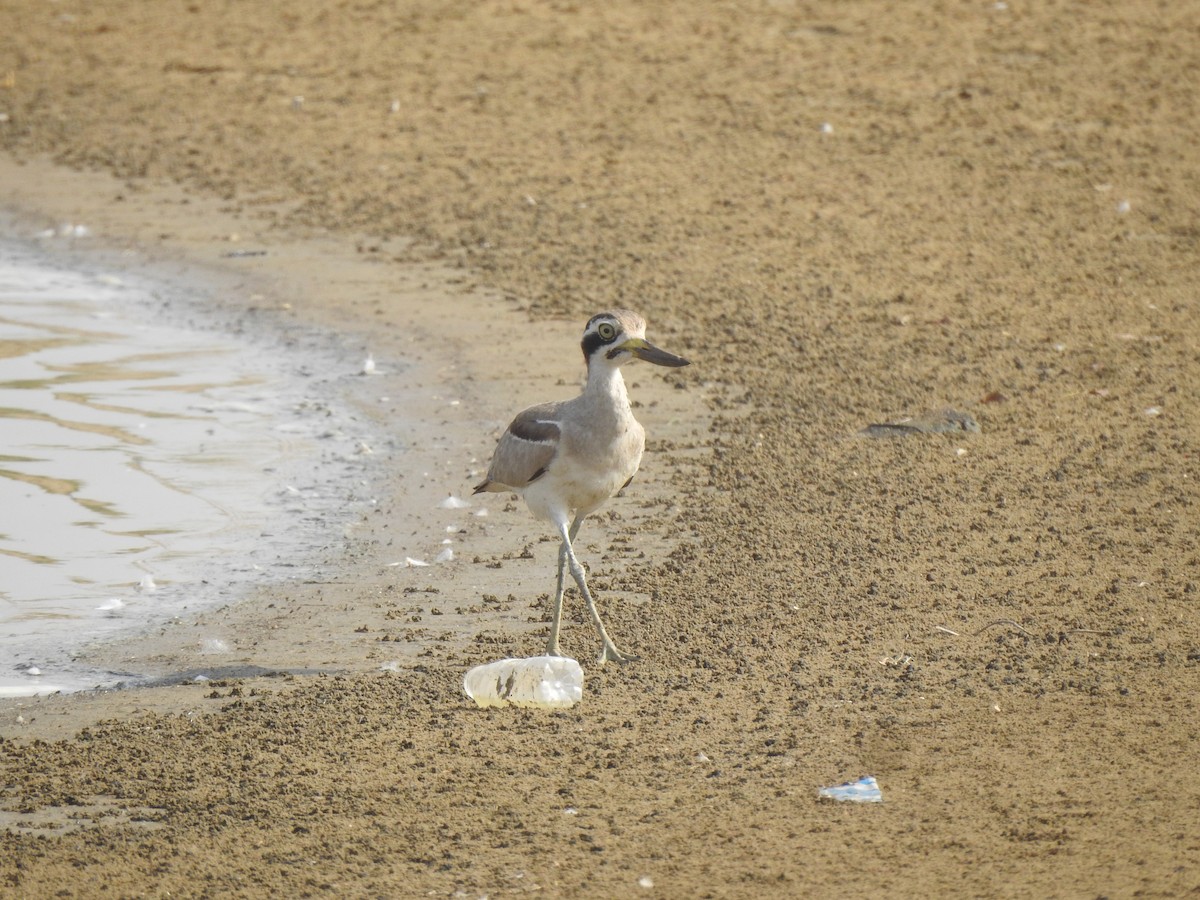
x,y
606,330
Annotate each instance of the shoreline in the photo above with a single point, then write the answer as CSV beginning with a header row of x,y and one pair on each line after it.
x,y
315,442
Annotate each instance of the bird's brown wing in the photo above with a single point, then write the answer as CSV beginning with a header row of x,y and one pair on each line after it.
x,y
525,451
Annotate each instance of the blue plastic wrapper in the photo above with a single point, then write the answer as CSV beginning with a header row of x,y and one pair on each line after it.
x,y
865,790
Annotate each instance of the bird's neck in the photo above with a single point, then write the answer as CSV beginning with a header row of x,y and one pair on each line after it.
x,y
605,385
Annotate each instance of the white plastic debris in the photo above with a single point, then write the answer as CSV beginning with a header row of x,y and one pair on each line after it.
x,y
546,682
865,790
453,502
111,605
411,563
446,555
147,585
213,645
66,229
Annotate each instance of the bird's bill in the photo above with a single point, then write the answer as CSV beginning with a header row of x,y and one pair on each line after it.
x,y
643,349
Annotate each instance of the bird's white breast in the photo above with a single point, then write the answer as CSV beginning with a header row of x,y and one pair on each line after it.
x,y
592,464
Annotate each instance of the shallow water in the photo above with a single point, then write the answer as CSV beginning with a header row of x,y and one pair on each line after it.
x,y
146,467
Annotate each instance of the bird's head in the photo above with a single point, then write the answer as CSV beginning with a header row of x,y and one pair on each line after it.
x,y
617,336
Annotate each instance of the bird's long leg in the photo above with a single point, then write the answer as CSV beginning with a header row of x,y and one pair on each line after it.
x,y
610,651
552,646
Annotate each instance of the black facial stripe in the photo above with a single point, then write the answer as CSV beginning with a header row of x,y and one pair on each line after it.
x,y
591,343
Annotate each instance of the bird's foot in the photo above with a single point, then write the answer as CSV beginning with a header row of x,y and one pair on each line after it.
x,y
610,653
553,649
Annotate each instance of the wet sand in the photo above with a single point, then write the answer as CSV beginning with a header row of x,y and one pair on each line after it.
x,y
844,216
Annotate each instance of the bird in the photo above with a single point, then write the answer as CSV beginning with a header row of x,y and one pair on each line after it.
x,y
567,458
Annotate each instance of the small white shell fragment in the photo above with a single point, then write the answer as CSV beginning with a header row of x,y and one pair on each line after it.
x,y
414,563
213,645
368,366
453,502
1153,411
480,512
147,585
447,555
392,665
865,790
826,128
110,605
1123,207
33,670
646,882
545,682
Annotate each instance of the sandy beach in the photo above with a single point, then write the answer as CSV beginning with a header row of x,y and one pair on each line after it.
x,y
846,216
